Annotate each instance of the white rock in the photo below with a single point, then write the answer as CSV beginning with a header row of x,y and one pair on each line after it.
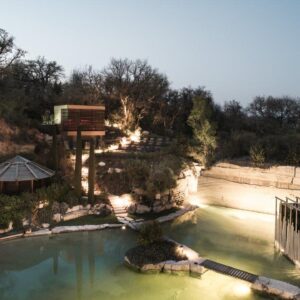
x,y
158,209
180,266
110,170
152,267
196,268
118,170
45,225
101,164
56,217
39,232
168,266
141,209
131,208
277,288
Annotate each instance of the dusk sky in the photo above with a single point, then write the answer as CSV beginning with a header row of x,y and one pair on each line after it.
x,y
236,49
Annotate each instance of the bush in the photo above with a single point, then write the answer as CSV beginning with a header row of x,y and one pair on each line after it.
x,y
160,181
149,233
257,155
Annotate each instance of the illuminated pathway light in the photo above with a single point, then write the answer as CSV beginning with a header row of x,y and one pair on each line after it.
x,y
241,289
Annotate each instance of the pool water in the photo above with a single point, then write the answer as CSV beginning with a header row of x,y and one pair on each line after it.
x,y
241,239
89,265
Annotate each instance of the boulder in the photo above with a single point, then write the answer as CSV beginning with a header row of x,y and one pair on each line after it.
x,y
142,209
276,288
169,206
168,266
57,217
180,267
196,269
159,208
131,208
101,164
105,210
152,268
45,225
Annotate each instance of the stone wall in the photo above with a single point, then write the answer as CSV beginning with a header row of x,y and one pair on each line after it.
x,y
248,188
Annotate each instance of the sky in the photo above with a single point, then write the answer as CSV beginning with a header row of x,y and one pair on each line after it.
x,y
235,49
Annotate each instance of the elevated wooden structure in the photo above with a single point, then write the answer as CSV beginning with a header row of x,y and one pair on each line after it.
x,y
89,118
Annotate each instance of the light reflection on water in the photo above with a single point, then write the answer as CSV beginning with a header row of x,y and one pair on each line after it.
x,y
89,265
238,238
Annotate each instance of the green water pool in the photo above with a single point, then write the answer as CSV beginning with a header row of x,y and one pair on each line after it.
x,y
89,265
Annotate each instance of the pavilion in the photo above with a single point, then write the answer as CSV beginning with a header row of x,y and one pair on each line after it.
x,y
22,175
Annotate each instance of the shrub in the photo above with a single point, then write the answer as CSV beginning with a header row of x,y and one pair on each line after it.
x,y
257,155
160,181
149,233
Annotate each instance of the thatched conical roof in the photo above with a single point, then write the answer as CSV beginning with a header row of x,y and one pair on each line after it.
x,y
22,169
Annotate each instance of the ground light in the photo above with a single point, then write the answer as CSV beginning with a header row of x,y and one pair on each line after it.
x,y
241,289
123,227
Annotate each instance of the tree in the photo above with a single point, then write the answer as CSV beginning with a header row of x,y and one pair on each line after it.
x,y
204,130
271,113
85,86
91,175
78,163
9,52
136,85
42,85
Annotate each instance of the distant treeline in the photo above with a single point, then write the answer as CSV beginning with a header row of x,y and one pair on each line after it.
x,y
137,94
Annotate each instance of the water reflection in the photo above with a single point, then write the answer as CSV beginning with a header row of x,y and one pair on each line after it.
x,y
57,256
89,265
238,238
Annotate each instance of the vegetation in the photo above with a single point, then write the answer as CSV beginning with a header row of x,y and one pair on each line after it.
x,y
24,206
137,95
257,155
90,220
149,233
154,253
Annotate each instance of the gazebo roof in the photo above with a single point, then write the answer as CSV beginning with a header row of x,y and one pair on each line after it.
x,y
22,169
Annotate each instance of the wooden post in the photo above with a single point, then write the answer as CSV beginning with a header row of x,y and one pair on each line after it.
x,y
31,186
1,186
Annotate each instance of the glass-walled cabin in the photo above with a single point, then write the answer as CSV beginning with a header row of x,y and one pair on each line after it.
x,y
90,119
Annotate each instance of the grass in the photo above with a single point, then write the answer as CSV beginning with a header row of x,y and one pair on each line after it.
x,y
152,215
89,220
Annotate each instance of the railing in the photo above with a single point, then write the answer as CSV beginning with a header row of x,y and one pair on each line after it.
x,y
87,120
287,227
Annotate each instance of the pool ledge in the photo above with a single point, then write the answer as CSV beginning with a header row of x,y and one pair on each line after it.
x,y
280,289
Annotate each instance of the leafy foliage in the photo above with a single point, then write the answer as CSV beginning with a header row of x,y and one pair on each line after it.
x,y
257,154
149,233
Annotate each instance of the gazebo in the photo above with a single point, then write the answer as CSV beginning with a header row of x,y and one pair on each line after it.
x,y
22,175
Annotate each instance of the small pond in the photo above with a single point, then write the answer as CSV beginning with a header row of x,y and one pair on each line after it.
x,y
88,265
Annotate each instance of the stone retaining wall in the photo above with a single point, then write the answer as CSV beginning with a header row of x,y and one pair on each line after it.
x,y
248,188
